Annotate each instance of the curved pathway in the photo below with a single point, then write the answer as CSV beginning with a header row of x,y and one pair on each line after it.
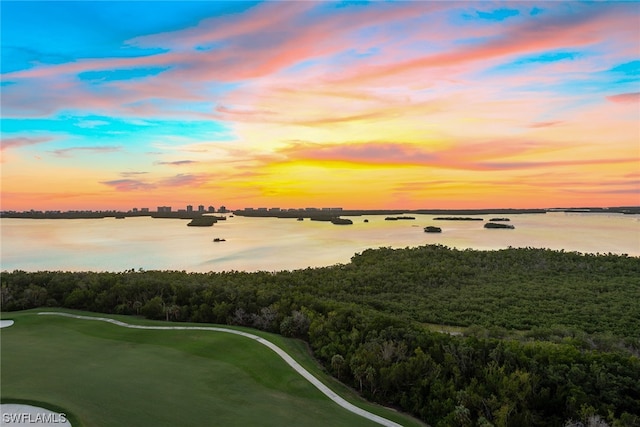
x,y
280,352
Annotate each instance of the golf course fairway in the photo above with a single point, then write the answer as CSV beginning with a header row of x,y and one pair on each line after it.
x,y
106,374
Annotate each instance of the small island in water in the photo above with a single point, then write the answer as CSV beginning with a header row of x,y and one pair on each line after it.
x,y
202,221
498,225
341,221
456,218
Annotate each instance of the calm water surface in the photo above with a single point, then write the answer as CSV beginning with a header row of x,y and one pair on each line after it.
x,y
272,244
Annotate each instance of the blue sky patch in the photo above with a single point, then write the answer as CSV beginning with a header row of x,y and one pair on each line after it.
x,y
110,75
498,14
629,68
535,11
549,57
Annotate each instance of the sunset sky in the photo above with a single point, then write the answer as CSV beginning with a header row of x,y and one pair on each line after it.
x,y
116,105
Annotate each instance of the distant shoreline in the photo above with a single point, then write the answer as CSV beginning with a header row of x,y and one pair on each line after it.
x,y
104,214
304,213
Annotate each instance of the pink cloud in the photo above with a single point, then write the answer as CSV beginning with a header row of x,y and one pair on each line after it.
x,y
23,141
36,98
261,41
260,46
256,19
625,98
267,42
327,120
586,27
545,124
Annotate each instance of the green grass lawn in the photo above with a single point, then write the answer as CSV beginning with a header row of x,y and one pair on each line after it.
x,y
107,375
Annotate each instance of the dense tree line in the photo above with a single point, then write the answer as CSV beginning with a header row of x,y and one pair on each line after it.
x,y
551,336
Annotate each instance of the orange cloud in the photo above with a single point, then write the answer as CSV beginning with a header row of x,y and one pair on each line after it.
x,y
470,156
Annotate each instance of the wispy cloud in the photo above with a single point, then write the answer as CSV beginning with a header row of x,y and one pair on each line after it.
x,y
155,183
177,163
128,185
68,152
91,124
23,141
545,124
380,153
184,180
133,173
552,163
470,156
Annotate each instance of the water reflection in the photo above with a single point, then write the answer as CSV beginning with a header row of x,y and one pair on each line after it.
x,y
271,244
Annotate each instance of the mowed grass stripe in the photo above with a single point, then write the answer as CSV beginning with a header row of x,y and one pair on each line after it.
x,y
109,375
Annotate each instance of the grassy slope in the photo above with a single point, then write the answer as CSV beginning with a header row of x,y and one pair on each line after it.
x,y
107,375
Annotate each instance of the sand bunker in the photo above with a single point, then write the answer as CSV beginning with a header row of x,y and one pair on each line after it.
x,y
5,323
17,414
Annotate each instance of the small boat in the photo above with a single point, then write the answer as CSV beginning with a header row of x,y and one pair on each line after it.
x,y
218,239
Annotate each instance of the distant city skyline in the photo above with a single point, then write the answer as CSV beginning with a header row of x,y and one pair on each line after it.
x,y
379,105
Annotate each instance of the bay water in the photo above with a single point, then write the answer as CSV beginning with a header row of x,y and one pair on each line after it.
x,y
273,244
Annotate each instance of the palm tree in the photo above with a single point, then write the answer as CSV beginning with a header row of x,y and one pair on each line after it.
x,y
171,311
